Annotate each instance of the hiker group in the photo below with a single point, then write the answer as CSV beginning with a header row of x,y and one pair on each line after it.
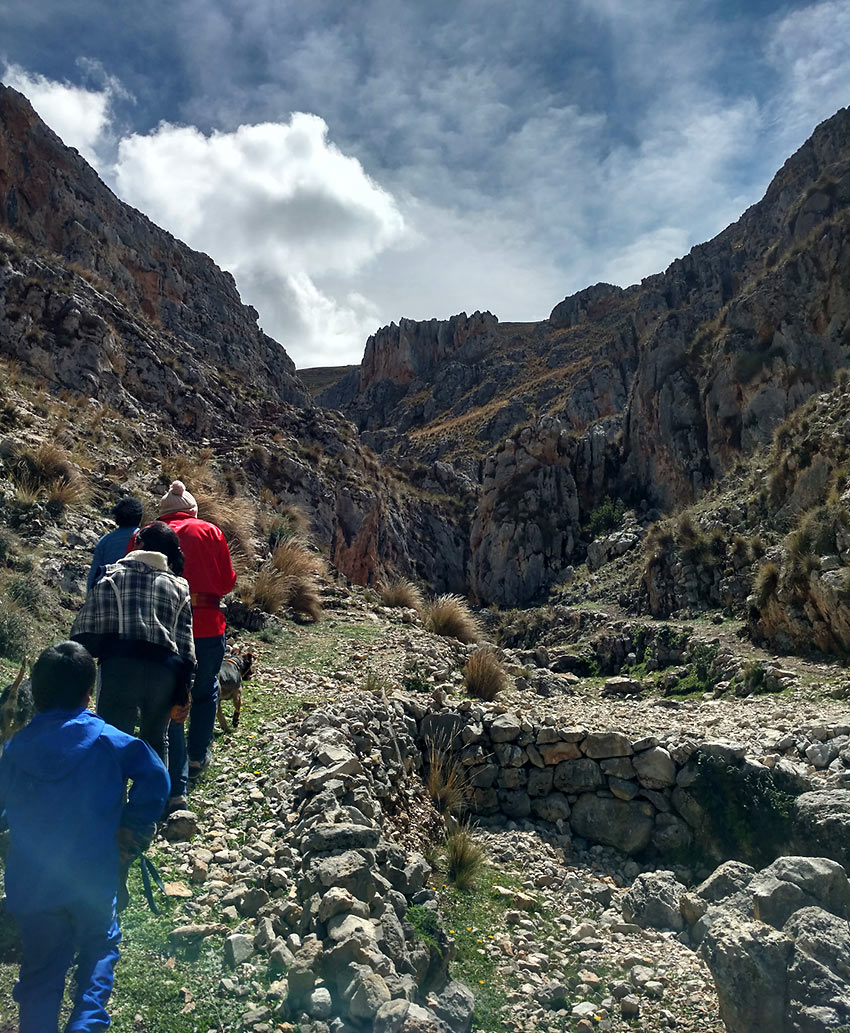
x,y
152,617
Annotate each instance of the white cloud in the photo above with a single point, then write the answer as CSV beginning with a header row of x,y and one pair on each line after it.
x,y
279,206
810,49
79,116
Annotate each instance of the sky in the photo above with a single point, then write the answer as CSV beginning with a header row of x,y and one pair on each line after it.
x,y
353,163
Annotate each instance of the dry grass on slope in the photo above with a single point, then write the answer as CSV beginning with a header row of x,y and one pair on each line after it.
x,y
451,617
402,592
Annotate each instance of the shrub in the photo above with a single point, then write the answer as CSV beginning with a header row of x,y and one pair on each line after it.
x,y
402,592
272,590
451,617
43,465
484,675
294,559
767,581
292,523
9,543
376,683
268,590
754,676
15,633
464,857
607,516
63,494
446,782
303,598
234,517
25,590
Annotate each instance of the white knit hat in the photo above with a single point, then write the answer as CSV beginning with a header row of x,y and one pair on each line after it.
x,y
177,500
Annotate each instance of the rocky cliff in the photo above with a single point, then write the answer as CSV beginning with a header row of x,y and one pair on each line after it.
x,y
650,393
99,303
52,198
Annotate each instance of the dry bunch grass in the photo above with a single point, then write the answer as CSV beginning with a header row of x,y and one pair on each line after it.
x,y
235,517
66,494
446,781
402,592
294,558
484,675
464,857
451,617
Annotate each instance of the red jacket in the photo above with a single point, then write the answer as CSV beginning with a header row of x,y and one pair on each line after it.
x,y
208,570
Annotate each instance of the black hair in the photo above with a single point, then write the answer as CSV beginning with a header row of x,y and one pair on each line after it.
x,y
159,537
63,677
127,512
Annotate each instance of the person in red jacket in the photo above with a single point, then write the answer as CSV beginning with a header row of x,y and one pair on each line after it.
x,y
210,574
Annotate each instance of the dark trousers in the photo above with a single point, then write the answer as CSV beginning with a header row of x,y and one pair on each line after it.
x,y
51,941
193,744
137,693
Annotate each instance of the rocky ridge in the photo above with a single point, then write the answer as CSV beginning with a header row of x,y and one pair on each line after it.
x,y
682,375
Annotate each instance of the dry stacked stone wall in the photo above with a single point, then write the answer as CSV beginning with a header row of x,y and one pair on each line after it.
x,y
641,794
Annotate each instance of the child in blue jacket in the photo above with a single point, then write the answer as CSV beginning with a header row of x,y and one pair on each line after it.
x,y
62,780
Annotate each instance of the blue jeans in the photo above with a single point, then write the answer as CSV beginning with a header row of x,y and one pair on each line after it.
x,y
51,941
193,744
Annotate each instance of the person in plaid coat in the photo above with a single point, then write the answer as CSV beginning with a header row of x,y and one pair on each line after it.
x,y
138,620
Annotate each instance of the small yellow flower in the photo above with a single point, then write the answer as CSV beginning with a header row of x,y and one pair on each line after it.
x,y
451,932
480,980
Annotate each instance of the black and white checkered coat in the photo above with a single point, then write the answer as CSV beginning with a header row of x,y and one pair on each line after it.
x,y
138,600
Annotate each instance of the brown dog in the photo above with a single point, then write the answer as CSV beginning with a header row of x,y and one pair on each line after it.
x,y
16,706
235,668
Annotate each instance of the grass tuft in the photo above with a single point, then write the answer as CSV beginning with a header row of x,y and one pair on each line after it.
x,y
451,617
465,857
402,592
446,781
484,675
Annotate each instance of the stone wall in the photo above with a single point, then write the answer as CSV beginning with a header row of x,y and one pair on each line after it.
x,y
641,794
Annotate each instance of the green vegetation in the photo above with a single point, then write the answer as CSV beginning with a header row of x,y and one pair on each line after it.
x,y
748,813
701,676
607,516
16,632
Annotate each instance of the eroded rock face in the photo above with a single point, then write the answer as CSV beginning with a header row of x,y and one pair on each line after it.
x,y
400,353
536,490
788,971
51,196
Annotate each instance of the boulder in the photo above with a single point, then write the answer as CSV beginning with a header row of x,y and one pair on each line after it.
x,y
625,825
454,1005
578,776
655,768
791,883
749,961
607,744
505,728
554,807
653,901
819,973
821,820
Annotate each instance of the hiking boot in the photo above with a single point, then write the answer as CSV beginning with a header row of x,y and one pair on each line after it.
x,y
175,803
197,768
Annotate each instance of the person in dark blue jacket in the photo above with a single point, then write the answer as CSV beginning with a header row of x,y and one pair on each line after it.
x,y
127,513
62,780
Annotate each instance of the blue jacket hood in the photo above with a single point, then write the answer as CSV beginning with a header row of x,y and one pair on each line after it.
x,y
54,743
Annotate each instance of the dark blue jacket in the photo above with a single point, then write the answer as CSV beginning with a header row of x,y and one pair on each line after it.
x,y
111,548
62,786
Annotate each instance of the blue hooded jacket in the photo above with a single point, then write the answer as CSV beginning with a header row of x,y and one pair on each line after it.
x,y
62,783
